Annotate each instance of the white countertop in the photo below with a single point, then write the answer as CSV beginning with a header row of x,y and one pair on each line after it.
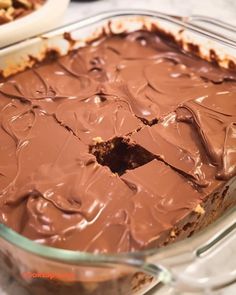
x,y
220,9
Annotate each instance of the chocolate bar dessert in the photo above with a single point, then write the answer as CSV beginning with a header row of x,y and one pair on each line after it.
x,y
11,10
126,144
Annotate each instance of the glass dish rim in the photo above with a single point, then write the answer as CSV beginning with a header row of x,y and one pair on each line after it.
x,y
72,256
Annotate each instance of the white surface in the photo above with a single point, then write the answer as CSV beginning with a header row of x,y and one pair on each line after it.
x,y
220,9
34,23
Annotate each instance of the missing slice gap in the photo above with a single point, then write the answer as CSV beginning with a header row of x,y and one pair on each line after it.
x,y
120,155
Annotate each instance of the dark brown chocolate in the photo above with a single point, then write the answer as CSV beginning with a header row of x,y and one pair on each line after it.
x,y
122,145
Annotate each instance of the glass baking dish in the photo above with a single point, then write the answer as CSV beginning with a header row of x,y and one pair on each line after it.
x,y
184,266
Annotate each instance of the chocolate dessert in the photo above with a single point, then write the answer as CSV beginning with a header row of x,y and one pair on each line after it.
x,y
123,145
11,10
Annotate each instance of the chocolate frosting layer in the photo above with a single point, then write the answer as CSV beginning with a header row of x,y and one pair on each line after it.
x,y
167,117
185,151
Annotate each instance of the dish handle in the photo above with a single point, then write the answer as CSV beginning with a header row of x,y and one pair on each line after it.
x,y
188,266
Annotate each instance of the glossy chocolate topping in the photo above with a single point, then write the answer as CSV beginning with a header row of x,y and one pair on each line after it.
x,y
109,148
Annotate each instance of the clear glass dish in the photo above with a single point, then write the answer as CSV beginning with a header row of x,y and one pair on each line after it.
x,y
183,266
